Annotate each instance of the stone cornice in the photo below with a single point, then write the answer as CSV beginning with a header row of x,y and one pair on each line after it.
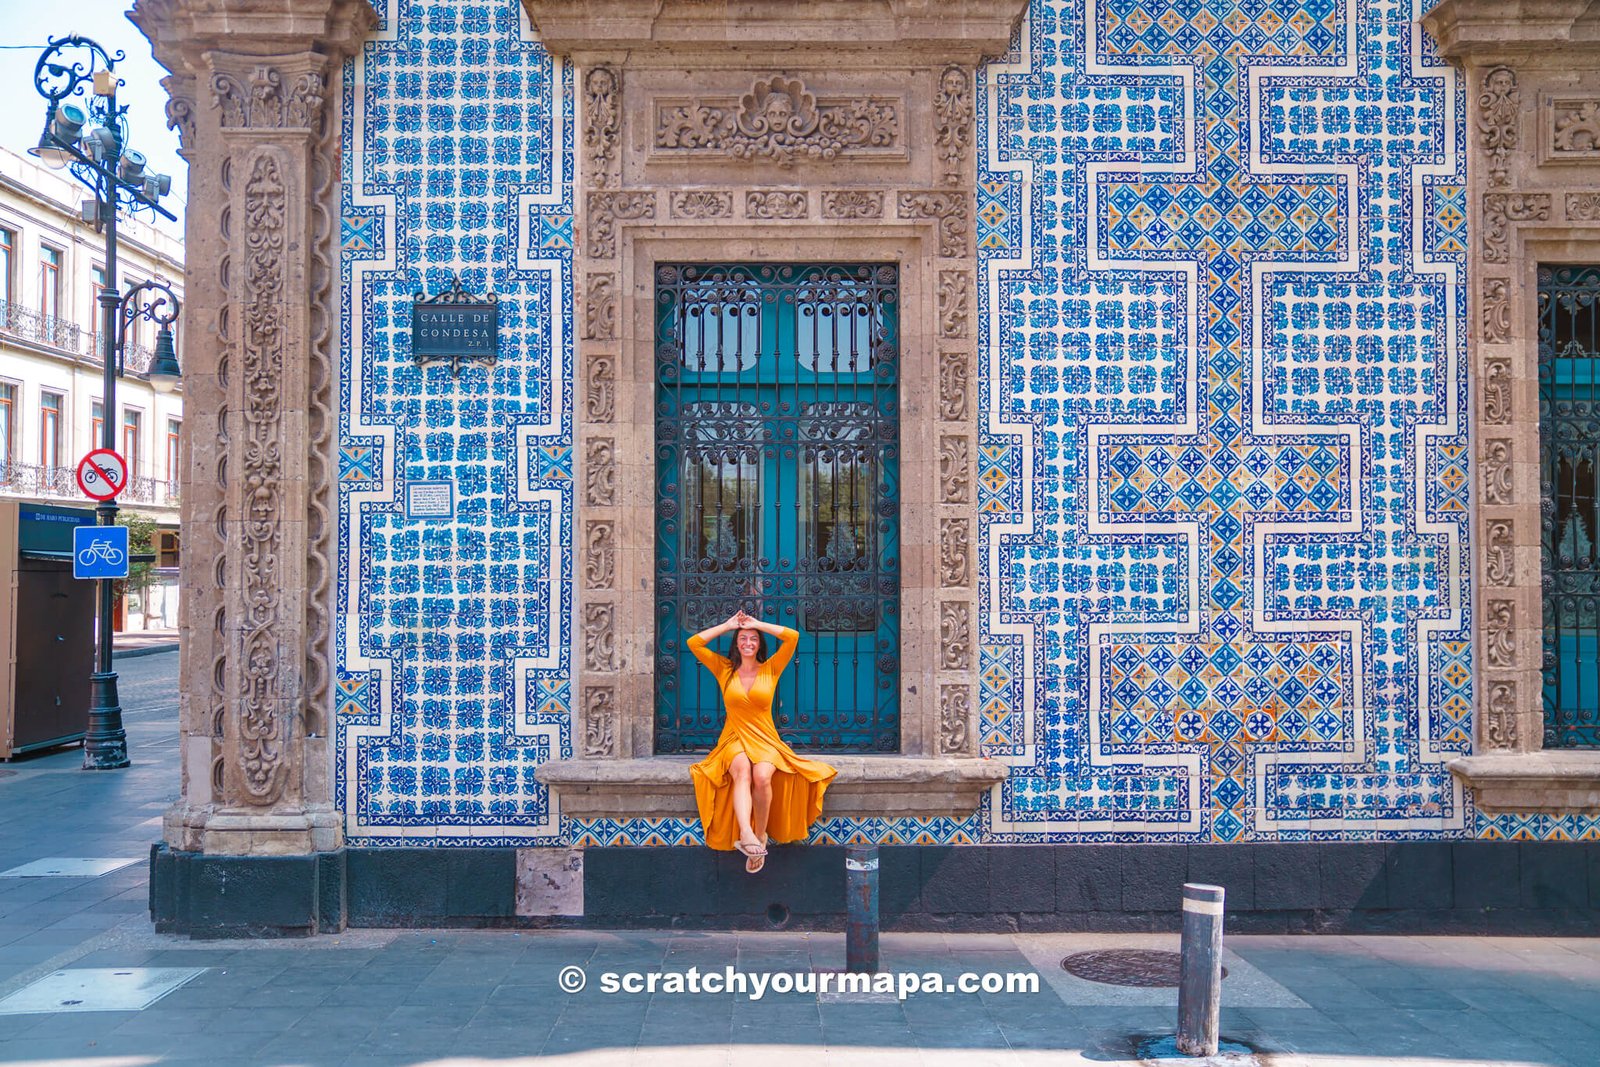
x,y
1553,781
886,30
182,31
1510,28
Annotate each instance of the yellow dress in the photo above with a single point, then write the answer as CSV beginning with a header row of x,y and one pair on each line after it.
x,y
797,783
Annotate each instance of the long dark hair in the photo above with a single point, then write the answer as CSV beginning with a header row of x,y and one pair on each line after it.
x,y
761,646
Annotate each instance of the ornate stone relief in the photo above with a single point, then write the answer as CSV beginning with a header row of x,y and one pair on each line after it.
x,y
1499,557
600,387
953,377
1500,718
263,103
772,204
1496,310
606,209
600,308
955,553
955,473
950,209
1500,619
953,107
1583,207
599,637
1497,471
600,472
852,204
1502,209
1574,127
1498,105
701,204
599,721
955,713
180,110
954,295
1497,390
602,109
599,555
781,121
263,728
955,635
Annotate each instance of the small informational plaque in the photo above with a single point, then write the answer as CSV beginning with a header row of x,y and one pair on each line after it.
x,y
456,326
431,500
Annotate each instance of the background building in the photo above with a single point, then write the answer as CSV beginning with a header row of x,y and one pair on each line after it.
x,y
1117,397
52,267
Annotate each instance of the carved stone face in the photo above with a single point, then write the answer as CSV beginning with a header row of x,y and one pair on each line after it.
x,y
778,110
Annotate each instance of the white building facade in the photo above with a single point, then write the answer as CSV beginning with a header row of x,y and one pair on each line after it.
x,y
52,404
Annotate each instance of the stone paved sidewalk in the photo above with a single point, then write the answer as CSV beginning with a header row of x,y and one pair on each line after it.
x,y
493,997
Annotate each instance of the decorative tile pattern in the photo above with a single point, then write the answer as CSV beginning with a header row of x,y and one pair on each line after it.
x,y
453,635
1224,489
1223,476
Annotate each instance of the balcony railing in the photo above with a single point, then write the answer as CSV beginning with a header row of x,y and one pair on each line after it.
x,y
33,480
25,324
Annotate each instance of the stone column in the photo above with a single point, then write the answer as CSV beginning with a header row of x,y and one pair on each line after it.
x,y
254,94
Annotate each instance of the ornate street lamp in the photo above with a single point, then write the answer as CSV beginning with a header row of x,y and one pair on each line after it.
x,y
86,131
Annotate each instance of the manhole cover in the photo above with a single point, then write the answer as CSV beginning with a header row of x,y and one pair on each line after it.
x,y
1127,966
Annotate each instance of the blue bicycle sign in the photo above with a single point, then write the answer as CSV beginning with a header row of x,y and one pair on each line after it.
x,y
99,551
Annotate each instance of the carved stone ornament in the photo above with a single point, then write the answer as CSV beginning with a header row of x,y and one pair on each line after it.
x,y
599,721
955,469
701,204
263,103
600,308
1583,207
950,209
779,120
953,379
1575,127
955,553
953,108
606,209
955,635
1496,310
1499,553
1498,105
1500,717
772,204
955,713
264,717
1497,390
599,555
852,204
954,297
600,637
1497,471
600,473
180,109
1501,648
1502,209
602,110
600,387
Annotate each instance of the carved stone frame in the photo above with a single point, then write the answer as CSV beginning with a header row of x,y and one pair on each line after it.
x,y
670,173
1535,199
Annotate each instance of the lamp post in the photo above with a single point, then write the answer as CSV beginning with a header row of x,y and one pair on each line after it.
x,y
86,131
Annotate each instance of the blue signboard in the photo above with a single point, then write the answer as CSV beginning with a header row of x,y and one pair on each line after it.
x,y
100,552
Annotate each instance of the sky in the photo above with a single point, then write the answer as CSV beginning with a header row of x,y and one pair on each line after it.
x,y
25,28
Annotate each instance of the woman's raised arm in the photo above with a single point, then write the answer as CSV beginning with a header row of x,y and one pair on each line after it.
x,y
714,662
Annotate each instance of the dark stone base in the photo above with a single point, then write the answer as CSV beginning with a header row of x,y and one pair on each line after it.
x,y
1408,887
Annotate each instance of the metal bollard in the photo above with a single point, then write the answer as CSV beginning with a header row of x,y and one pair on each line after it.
x,y
1200,980
861,908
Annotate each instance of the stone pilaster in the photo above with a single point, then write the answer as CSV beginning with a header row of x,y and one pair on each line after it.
x,y
254,89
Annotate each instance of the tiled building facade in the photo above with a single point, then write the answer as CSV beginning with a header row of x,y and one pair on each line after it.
x,y
1195,468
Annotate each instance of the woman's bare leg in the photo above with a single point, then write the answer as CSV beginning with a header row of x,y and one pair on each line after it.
x,y
740,770
761,794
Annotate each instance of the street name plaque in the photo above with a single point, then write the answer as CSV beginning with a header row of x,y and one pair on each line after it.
x,y
455,326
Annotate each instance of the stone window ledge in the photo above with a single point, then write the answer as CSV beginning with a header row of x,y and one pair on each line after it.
x,y
881,786
1554,782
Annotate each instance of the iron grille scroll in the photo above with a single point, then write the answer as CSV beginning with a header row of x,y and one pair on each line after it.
x,y
1569,431
777,460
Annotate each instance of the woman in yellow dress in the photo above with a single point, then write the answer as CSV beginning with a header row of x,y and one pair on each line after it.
x,y
753,789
